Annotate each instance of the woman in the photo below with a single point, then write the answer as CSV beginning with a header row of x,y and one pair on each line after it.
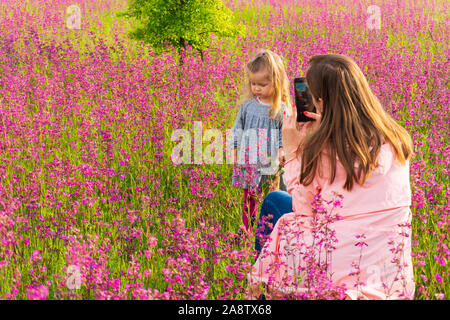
x,y
355,149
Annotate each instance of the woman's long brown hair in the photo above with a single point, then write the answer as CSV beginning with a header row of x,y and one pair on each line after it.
x,y
353,126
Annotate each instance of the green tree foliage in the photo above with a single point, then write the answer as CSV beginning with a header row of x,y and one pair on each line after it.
x,y
176,22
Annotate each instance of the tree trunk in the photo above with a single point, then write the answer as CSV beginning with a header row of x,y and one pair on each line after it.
x,y
200,51
181,47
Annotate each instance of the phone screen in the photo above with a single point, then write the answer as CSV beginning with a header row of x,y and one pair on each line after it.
x,y
300,86
303,101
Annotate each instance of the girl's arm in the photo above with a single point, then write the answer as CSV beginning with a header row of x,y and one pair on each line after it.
x,y
238,126
280,136
280,126
281,156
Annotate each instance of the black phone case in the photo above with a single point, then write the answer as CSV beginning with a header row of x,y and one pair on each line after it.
x,y
303,101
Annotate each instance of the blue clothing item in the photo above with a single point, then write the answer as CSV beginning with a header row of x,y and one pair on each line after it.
x,y
276,203
257,138
265,178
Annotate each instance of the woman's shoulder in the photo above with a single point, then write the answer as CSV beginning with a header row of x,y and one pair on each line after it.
x,y
386,150
386,159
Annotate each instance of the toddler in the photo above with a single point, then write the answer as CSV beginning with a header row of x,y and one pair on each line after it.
x,y
258,149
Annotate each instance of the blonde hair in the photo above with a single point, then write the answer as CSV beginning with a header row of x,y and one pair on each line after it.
x,y
354,124
266,60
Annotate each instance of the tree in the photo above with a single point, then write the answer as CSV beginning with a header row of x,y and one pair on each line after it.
x,y
179,22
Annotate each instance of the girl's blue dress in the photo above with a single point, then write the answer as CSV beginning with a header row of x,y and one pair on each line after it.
x,y
257,138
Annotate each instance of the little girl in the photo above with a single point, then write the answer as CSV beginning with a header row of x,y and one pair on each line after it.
x,y
259,120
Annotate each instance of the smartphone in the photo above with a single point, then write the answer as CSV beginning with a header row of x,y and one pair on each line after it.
x,y
303,100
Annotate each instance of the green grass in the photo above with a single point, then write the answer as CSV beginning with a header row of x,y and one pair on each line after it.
x,y
224,193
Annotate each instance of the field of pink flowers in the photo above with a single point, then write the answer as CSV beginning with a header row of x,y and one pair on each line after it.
x,y
91,205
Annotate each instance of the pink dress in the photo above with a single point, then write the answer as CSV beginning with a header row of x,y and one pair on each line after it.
x,y
379,210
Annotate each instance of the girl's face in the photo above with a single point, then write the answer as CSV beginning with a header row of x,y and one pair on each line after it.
x,y
261,86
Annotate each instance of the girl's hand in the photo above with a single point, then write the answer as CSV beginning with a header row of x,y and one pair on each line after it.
x,y
281,156
292,137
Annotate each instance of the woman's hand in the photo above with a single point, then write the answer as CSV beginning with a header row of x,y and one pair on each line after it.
x,y
293,137
312,125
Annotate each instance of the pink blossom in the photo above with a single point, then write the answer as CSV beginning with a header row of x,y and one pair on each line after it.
x,y
39,292
438,277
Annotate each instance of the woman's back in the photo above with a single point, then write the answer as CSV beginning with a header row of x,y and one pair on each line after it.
x,y
387,187
378,211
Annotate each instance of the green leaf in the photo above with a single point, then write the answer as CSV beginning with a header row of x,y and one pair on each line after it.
x,y
162,22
